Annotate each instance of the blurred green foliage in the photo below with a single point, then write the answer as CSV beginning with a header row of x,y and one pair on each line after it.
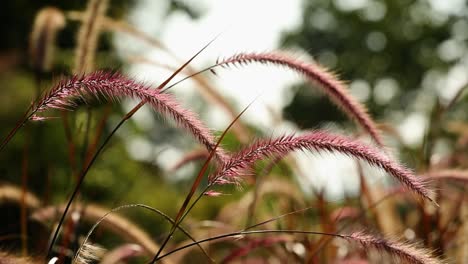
x,y
391,52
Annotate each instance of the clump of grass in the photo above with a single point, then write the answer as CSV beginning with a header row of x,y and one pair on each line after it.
x,y
230,168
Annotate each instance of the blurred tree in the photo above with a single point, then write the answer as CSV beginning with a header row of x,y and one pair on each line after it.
x,y
394,52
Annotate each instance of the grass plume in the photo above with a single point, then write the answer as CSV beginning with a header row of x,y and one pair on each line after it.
x,y
402,251
89,254
316,141
332,86
113,86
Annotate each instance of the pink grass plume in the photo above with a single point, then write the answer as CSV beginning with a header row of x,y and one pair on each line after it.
x,y
114,86
320,141
334,88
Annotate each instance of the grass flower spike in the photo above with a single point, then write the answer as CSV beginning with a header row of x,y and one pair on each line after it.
x,y
316,141
113,86
398,250
327,81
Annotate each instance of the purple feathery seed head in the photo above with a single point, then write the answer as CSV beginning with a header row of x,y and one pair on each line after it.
x,y
114,86
403,252
334,88
243,160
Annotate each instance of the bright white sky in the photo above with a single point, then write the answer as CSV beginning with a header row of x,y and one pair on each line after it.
x,y
245,25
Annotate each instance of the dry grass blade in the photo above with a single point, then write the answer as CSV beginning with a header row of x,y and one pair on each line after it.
x,y
47,23
252,245
316,141
14,194
192,156
114,223
458,175
343,213
121,253
110,24
88,36
326,80
457,96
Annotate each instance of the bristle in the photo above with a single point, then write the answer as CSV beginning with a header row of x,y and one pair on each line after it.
x,y
89,253
333,87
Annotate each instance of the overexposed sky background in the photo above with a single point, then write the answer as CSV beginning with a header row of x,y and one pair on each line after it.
x,y
243,25
250,26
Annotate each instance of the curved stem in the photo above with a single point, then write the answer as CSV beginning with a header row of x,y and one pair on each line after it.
x,y
240,233
192,75
165,216
18,125
78,185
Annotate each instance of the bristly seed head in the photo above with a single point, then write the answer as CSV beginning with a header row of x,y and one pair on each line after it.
x,y
113,86
401,251
327,81
243,160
